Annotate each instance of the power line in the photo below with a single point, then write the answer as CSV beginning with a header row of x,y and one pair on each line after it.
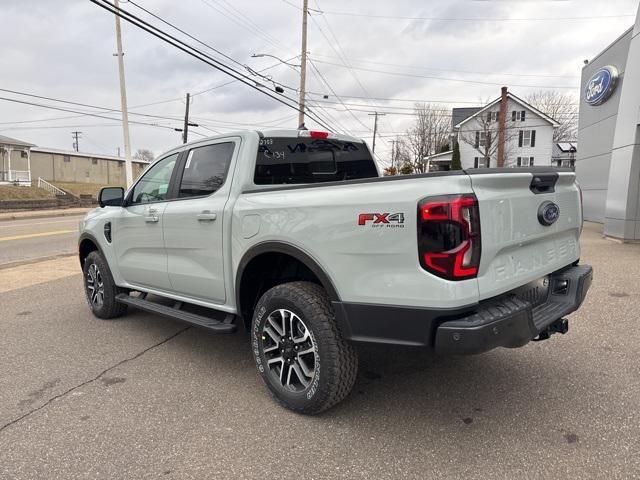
x,y
79,104
326,82
51,107
420,67
256,71
570,111
341,54
194,52
148,12
448,79
414,113
256,31
466,19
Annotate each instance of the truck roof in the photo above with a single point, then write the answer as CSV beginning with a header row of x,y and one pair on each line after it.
x,y
284,132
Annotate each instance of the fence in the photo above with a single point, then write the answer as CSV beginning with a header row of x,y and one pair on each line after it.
x,y
50,188
16,176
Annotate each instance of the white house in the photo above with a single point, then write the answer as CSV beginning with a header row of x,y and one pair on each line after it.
x,y
564,154
528,134
439,161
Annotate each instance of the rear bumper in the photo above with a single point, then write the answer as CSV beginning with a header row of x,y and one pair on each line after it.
x,y
510,320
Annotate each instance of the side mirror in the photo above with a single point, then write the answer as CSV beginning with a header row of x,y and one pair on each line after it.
x,y
111,197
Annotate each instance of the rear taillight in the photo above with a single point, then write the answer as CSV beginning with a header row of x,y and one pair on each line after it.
x,y
449,236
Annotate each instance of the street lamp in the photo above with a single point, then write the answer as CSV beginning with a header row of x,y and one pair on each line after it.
x,y
260,55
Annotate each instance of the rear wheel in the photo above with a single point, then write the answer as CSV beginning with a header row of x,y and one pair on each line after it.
x,y
299,350
100,289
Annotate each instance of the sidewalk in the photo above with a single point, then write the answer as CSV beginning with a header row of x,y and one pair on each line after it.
x,y
26,214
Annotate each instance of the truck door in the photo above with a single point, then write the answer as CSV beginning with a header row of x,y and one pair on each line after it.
x,y
193,222
138,239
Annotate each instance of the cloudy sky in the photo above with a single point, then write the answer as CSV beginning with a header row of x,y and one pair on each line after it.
x,y
373,54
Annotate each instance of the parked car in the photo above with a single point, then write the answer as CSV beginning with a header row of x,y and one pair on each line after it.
x,y
294,237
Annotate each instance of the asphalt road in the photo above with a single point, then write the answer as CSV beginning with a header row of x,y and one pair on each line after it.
x,y
29,239
145,397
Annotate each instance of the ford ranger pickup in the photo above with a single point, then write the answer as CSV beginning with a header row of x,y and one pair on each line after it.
x,y
294,237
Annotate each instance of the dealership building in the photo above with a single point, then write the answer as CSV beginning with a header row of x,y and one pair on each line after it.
x,y
608,160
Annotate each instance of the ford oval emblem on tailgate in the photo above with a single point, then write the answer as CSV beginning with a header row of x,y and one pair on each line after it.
x,y
548,213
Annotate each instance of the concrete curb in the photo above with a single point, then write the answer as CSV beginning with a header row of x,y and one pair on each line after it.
x,y
42,214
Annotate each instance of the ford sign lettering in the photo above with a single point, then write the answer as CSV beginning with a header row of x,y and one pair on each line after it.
x,y
601,85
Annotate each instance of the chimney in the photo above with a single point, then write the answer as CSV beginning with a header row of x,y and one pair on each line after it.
x,y
501,127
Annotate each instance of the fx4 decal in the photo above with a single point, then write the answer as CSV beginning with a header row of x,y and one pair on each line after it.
x,y
391,220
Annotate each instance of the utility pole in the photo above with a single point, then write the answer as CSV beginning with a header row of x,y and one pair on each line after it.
x,y
123,101
76,140
185,130
375,129
393,153
303,64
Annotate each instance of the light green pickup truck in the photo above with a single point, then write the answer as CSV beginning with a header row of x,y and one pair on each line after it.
x,y
294,237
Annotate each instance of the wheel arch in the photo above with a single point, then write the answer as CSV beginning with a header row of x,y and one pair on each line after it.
x,y
272,254
87,243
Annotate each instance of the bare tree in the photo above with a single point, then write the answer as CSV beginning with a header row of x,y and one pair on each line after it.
x,y
144,155
428,134
562,107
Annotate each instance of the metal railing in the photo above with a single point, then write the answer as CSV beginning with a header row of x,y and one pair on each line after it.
x,y
49,187
15,176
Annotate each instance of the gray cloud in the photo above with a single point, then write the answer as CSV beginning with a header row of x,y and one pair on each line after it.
x,y
64,49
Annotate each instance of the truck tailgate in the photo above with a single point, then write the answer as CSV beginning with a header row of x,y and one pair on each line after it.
x,y
516,247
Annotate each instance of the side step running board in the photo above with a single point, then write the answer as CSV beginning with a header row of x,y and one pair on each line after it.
x,y
225,326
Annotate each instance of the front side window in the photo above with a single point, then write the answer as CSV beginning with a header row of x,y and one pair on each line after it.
x,y
283,160
154,185
205,169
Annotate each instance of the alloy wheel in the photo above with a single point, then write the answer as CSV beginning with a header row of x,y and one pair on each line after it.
x,y
290,350
95,286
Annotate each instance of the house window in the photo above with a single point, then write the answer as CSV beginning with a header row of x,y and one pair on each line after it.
x,y
518,116
493,116
481,138
23,154
479,162
94,161
525,161
66,158
527,138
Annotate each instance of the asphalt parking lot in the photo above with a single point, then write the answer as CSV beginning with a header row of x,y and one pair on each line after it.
x,y
145,397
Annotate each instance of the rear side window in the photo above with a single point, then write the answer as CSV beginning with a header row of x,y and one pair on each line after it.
x,y
306,160
205,169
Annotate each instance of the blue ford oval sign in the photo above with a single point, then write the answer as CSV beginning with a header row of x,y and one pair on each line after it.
x,y
548,213
601,85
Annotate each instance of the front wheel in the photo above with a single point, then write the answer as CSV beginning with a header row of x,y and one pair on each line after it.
x,y
100,288
299,350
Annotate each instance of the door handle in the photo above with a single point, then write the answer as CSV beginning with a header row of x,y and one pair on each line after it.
x,y
151,216
206,216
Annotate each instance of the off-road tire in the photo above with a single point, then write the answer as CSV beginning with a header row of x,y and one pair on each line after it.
x,y
336,359
109,308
